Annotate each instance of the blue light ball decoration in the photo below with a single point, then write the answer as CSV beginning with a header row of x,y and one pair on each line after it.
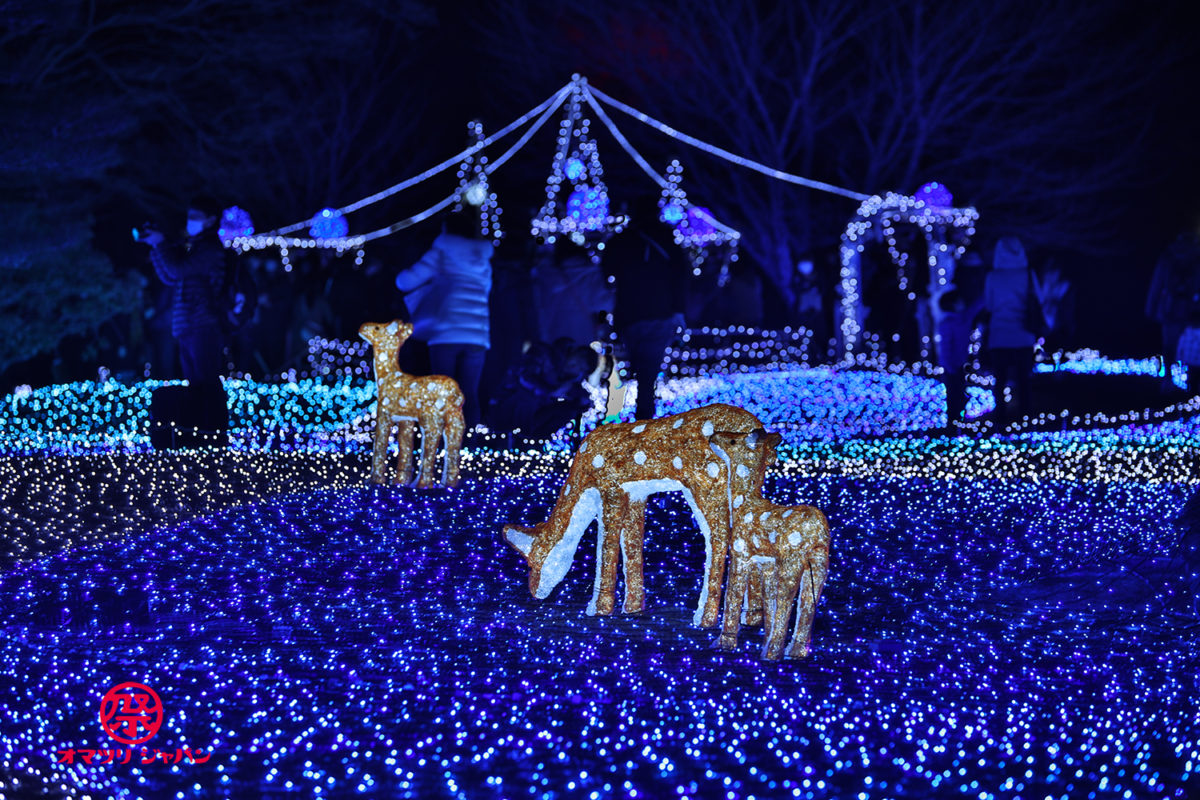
x,y
575,169
329,223
235,222
935,195
588,208
673,214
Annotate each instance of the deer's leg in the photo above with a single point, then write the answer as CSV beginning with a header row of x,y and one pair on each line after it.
x,y
431,436
632,535
812,581
780,591
735,594
614,516
404,468
755,599
712,503
454,428
383,431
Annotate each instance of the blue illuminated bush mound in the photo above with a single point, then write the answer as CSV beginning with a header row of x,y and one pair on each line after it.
x,y
339,414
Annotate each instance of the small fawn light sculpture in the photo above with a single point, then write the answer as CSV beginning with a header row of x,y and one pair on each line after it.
x,y
787,545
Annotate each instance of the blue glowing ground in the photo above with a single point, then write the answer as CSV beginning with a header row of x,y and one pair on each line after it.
x,y
977,638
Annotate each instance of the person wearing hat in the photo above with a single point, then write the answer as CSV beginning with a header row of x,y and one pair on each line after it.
x,y
194,267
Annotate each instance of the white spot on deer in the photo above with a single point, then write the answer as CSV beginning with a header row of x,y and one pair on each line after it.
x,y
772,535
749,516
737,501
795,538
713,469
566,490
743,471
639,428
583,448
764,516
707,429
677,423
440,404
598,462
739,546
393,329
639,458
677,462
788,513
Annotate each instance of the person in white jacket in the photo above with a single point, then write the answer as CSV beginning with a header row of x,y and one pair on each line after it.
x,y
446,292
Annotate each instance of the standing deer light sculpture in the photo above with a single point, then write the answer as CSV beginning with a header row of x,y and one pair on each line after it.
x,y
434,402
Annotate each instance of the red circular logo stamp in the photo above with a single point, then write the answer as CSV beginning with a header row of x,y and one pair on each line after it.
x,y
131,712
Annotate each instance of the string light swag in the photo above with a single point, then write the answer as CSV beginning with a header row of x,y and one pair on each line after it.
x,y
288,236
473,191
584,216
695,229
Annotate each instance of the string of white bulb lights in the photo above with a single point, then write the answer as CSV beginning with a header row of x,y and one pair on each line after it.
x,y
578,90
279,236
551,103
342,243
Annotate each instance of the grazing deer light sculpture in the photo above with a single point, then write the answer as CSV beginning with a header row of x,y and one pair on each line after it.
x,y
434,402
617,467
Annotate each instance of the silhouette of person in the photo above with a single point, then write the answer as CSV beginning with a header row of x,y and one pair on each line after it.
x,y
446,292
1008,294
650,270
960,309
195,270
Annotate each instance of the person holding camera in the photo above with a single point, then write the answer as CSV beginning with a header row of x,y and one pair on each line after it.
x,y
195,268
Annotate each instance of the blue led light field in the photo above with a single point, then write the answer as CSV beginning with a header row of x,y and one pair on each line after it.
x,y
1007,617
998,638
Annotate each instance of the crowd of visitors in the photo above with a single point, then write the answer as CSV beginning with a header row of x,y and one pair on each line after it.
x,y
554,310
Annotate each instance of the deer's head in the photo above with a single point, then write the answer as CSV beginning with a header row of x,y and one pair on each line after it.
x,y
748,456
549,548
386,335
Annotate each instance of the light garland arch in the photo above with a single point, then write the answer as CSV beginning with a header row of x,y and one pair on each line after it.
x,y
585,211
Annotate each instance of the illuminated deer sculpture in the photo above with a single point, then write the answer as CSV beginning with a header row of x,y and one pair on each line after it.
x,y
434,402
